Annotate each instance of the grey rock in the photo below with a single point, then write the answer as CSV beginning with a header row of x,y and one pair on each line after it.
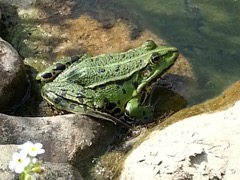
x,y
5,157
19,3
202,147
58,171
67,138
13,84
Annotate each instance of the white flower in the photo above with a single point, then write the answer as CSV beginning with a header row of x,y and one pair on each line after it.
x,y
19,162
34,160
32,149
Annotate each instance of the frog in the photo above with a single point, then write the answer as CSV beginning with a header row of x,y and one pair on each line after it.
x,y
113,86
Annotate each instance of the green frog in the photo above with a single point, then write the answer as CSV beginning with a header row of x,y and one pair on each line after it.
x,y
108,86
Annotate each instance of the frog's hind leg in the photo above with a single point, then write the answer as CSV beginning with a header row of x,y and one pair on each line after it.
x,y
104,116
84,110
75,98
54,70
89,111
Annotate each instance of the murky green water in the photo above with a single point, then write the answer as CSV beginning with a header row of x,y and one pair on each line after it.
x,y
206,32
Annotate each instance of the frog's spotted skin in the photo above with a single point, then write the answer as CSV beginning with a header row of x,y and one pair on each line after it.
x,y
81,102
110,85
99,70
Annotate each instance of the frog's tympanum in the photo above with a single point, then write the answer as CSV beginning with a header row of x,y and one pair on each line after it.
x,y
108,86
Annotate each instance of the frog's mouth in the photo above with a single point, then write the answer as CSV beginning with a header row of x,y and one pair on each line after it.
x,y
164,72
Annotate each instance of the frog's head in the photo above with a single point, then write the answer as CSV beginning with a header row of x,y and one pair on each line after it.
x,y
158,59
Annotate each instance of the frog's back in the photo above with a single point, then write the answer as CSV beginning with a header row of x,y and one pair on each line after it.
x,y
106,68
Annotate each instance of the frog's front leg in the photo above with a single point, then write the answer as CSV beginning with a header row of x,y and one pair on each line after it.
x,y
135,110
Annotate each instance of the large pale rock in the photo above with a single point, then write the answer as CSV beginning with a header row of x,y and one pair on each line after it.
x,y
13,84
202,147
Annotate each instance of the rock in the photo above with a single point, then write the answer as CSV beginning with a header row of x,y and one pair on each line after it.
x,y
13,84
6,155
202,147
21,3
2,25
59,171
8,17
67,138
52,170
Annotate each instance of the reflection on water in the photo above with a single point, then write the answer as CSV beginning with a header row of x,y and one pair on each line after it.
x,y
206,32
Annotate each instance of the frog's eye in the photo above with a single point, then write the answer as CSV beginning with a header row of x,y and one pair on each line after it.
x,y
155,58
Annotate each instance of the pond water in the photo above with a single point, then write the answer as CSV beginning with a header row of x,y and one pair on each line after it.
x,y
206,32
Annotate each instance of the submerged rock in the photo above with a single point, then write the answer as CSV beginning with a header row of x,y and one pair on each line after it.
x,y
204,146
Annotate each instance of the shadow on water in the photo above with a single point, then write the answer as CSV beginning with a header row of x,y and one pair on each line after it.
x,y
107,12
30,41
